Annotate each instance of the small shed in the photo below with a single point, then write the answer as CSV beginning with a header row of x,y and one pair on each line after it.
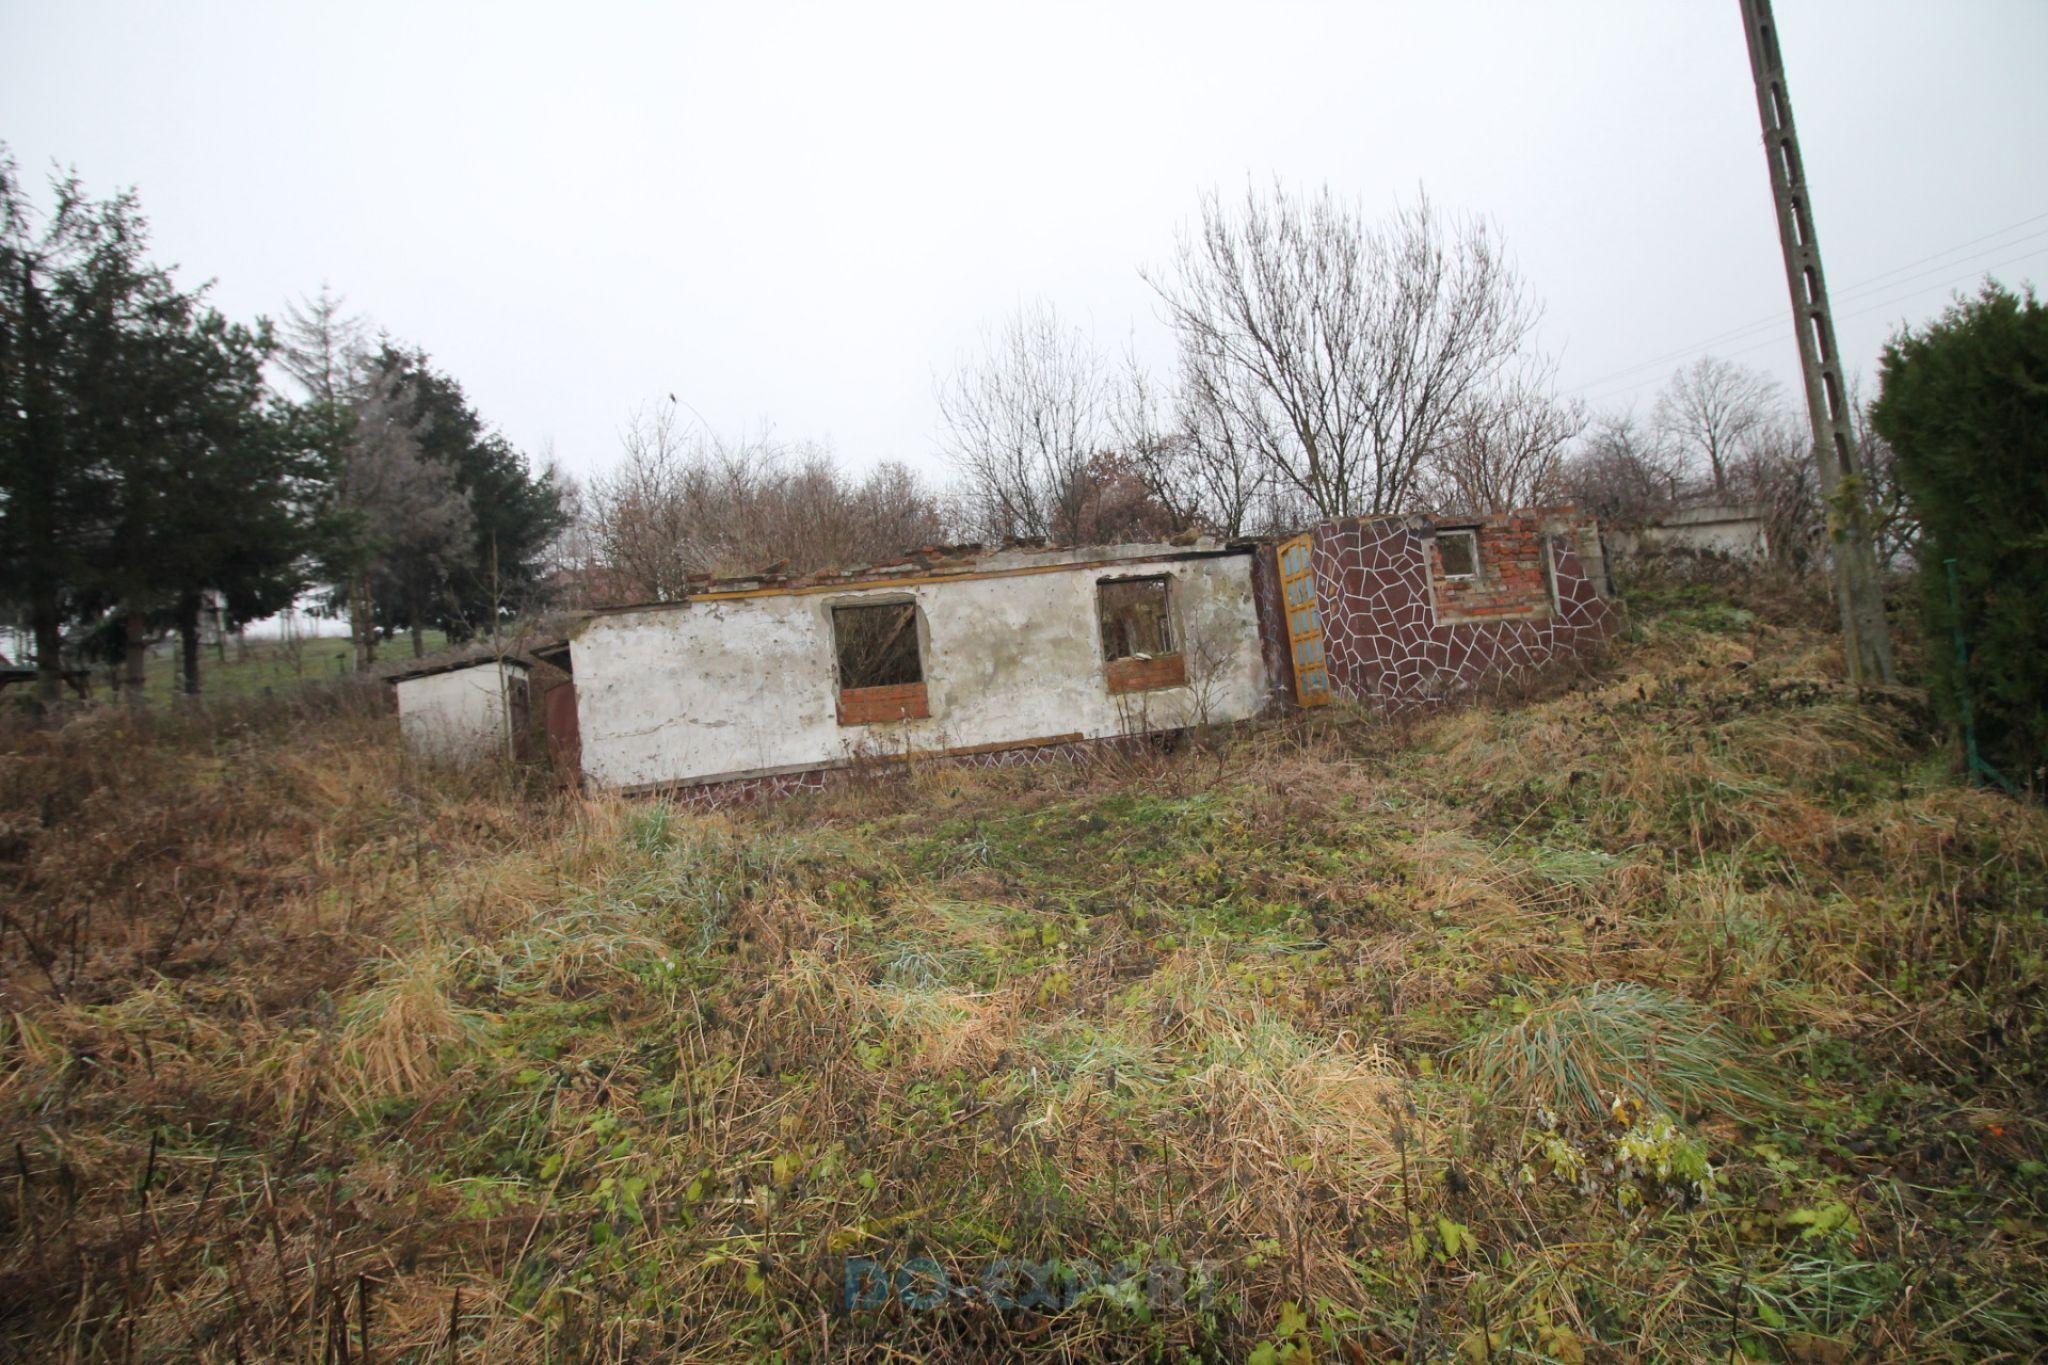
x,y
482,702
463,710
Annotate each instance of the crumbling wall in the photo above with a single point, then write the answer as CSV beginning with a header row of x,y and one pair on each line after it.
x,y
1736,532
746,687
1399,632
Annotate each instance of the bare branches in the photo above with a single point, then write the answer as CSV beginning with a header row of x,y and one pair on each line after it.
x,y
684,504
1338,353
1715,411
1622,473
1504,449
1199,470
1022,418
411,524
322,347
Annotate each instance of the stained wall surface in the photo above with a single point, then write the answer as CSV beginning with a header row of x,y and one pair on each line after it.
x,y
458,715
746,687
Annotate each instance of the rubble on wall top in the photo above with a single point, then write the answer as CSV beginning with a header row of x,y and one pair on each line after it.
x,y
926,562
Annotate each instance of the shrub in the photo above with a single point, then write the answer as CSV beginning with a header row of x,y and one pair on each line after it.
x,y
1965,404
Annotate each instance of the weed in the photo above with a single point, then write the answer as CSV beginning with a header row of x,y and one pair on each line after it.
x,y
1676,1006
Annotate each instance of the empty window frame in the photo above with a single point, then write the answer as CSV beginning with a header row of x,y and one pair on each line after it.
x,y
881,667
1458,553
1139,648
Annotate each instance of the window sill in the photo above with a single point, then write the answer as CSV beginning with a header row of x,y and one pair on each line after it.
x,y
1146,675
879,705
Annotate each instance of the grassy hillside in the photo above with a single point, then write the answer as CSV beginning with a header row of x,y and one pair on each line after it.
x,y
1682,1010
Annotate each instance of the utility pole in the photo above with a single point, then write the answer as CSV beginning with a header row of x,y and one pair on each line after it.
x,y
1866,642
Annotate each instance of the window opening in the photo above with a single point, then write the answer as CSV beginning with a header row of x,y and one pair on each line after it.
x,y
1136,623
1138,646
877,645
1459,553
881,669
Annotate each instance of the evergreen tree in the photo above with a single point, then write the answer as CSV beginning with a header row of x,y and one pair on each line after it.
x,y
61,286
491,560
1964,404
139,467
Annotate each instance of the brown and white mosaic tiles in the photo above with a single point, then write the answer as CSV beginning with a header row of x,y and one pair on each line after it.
x,y
1399,633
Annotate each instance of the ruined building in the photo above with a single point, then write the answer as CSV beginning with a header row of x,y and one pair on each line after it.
x,y
759,686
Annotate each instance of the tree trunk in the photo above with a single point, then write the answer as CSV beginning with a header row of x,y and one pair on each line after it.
x,y
134,655
188,643
49,634
360,622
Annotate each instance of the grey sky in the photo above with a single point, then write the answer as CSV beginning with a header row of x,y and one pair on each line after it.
x,y
795,215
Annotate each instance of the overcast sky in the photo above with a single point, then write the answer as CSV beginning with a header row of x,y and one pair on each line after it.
x,y
797,215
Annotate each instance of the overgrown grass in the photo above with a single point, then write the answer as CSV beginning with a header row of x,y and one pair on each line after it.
x,y
1682,1010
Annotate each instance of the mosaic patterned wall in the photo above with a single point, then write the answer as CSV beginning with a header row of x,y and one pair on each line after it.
x,y
1396,637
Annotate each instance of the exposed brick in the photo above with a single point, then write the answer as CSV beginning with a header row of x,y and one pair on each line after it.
x,y
875,705
1147,675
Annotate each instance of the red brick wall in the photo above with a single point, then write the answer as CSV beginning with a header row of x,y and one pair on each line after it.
x,y
1146,675
873,705
1512,580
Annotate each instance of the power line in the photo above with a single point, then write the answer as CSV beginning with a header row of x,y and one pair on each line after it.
x,y
1779,330
2024,222
1775,322
1879,280
1946,284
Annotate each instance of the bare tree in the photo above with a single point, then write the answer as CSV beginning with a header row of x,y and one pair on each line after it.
x,y
641,523
1022,417
1196,466
1339,352
1713,411
683,504
1777,472
411,521
1622,472
1774,472
322,347
1505,447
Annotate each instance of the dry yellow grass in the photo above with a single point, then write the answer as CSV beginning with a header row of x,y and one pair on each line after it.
x,y
310,1052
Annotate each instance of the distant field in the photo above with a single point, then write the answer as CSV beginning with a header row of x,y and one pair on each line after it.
x,y
253,668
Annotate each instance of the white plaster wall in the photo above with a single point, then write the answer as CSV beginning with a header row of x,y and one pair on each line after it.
x,y
1734,537
745,686
458,715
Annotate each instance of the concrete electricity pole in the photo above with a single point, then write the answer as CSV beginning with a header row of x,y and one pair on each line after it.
x,y
1865,640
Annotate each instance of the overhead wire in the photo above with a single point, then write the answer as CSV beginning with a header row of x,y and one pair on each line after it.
x,y
1779,325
